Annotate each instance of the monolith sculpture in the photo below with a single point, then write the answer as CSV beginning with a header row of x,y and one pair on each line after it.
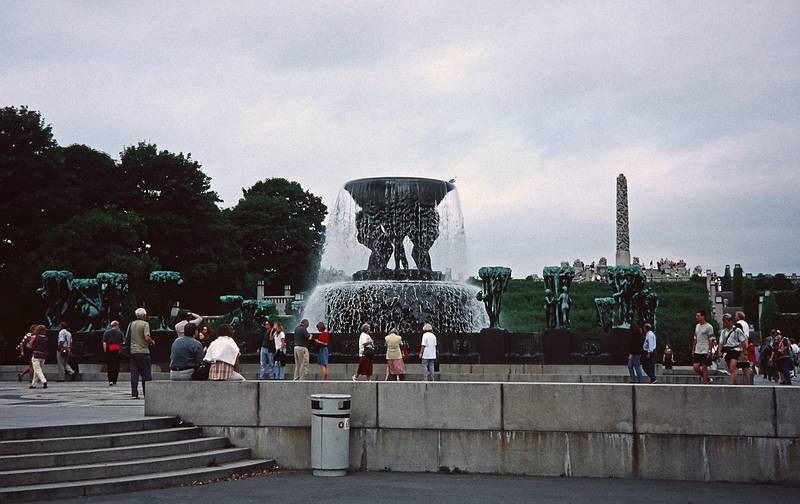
x,y
623,235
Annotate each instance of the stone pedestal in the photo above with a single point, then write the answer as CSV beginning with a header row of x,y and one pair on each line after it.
x,y
623,257
556,346
618,345
493,345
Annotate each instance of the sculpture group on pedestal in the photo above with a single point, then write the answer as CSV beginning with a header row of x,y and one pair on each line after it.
x,y
495,280
95,301
246,314
557,303
391,210
630,300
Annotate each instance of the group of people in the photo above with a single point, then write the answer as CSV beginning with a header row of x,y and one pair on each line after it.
x,y
739,351
195,347
396,353
273,352
33,349
776,359
642,353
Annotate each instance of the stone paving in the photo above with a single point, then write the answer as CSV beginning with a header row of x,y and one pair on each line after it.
x,y
63,403
83,402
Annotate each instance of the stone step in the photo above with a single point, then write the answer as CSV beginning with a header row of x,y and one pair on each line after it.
x,y
93,442
74,473
62,431
146,481
96,456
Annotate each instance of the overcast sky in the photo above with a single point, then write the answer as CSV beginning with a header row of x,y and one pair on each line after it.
x,y
534,107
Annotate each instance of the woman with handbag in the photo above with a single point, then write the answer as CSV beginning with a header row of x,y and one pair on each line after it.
x,y
279,367
395,369
39,347
366,353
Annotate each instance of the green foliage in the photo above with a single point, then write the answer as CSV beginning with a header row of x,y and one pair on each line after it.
x,y
73,245
74,208
523,308
727,281
767,320
279,229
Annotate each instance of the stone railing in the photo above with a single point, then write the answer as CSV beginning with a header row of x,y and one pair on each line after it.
x,y
712,433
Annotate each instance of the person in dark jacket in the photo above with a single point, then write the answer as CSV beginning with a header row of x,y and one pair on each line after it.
x,y
112,343
635,353
39,347
185,355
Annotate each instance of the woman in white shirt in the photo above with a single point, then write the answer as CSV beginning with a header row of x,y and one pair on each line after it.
x,y
366,353
223,353
278,370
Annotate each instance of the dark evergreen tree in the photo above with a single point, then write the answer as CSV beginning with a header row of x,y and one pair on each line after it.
x,y
737,285
727,281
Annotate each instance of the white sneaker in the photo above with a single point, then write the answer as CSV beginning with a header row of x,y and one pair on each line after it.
x,y
353,377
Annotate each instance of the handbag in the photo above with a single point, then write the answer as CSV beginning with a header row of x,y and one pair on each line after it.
x,y
280,357
125,349
201,371
369,351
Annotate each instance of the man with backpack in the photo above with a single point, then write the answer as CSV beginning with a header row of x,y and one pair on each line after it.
x,y
732,340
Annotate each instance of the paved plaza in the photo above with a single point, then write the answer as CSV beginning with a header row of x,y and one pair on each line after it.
x,y
70,403
382,487
65,403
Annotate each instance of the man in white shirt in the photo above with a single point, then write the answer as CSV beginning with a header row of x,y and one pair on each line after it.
x,y
742,323
64,351
649,356
427,352
701,345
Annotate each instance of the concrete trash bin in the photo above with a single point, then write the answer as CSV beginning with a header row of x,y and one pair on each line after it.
x,y
330,434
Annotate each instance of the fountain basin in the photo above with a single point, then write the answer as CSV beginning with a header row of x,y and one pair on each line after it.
x,y
450,307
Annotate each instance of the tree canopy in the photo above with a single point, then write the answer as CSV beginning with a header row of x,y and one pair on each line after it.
x,y
76,208
279,227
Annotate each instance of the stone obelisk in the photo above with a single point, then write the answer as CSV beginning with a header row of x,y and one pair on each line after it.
x,y
623,237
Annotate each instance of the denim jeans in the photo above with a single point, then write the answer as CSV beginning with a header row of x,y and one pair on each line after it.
x,y
427,369
140,365
278,371
634,364
266,370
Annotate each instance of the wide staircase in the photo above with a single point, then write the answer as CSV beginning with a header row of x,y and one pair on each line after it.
x,y
41,463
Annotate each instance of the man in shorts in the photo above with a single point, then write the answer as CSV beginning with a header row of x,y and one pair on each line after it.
x,y
701,346
732,339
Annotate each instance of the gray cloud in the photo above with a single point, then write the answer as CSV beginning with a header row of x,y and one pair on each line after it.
x,y
534,106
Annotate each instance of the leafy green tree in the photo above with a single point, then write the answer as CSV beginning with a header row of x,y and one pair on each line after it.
x,y
280,232
780,282
97,240
31,176
91,178
185,230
